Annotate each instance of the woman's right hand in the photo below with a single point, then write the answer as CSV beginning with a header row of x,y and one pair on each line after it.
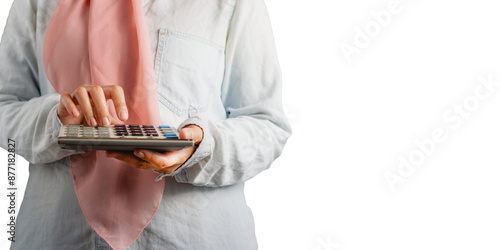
x,y
88,105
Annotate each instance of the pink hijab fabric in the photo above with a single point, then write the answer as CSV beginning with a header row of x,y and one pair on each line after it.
x,y
106,42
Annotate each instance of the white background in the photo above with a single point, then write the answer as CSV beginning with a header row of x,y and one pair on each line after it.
x,y
353,120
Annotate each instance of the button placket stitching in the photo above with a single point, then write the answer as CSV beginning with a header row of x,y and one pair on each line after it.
x,y
159,55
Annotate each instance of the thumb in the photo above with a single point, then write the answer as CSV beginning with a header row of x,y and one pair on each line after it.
x,y
193,132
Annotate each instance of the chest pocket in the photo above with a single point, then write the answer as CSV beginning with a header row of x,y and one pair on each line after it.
x,y
186,70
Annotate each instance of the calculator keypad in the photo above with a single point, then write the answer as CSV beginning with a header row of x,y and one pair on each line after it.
x,y
121,131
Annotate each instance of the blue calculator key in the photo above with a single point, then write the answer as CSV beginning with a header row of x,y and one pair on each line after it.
x,y
171,135
164,126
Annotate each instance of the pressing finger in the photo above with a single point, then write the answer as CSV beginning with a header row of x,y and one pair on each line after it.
x,y
118,97
82,97
101,106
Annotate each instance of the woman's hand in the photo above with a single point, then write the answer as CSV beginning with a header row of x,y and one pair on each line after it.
x,y
165,162
88,104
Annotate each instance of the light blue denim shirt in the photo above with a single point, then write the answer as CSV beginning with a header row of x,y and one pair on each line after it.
x,y
216,66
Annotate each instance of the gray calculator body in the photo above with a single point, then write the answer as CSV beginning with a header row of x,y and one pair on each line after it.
x,y
121,137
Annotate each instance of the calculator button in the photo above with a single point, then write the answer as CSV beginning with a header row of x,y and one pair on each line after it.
x,y
164,126
171,135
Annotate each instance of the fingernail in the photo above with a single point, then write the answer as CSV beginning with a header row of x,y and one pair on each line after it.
x,y
105,121
139,154
93,122
75,113
123,115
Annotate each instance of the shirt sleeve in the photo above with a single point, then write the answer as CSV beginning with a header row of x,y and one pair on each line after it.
x,y
256,129
25,116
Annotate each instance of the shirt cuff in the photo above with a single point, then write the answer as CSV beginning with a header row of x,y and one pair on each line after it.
x,y
56,122
203,150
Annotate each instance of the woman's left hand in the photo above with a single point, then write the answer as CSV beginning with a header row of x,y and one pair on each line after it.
x,y
165,162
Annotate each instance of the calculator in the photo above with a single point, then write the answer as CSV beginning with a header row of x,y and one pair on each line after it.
x,y
121,138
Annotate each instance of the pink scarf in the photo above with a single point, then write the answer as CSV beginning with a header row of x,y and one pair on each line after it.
x,y
106,42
